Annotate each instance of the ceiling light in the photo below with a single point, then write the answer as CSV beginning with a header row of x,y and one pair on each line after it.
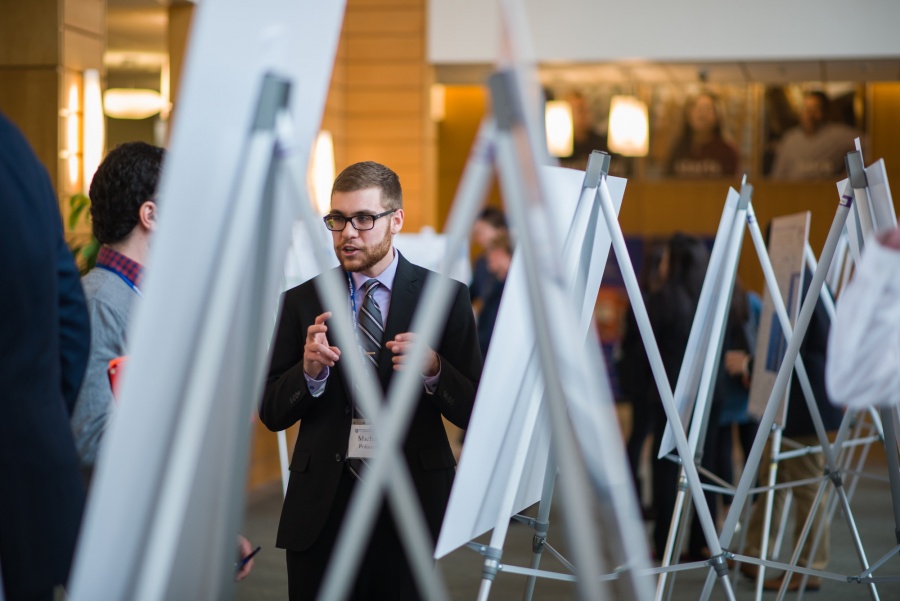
x,y
629,131
132,103
559,129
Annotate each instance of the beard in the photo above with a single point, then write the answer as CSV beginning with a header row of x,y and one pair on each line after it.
x,y
366,257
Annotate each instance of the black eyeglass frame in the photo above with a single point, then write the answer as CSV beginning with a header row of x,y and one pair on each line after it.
x,y
351,219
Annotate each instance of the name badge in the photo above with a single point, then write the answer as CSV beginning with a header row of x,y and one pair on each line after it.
x,y
362,440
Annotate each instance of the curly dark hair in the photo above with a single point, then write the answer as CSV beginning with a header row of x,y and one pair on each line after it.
x,y
126,179
369,174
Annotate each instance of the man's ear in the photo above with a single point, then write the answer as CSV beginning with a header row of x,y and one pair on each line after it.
x,y
397,221
147,215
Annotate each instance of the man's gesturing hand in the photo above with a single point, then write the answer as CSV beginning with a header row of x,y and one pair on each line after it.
x,y
402,344
317,354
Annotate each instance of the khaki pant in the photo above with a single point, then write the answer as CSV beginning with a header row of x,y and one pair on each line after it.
x,y
789,470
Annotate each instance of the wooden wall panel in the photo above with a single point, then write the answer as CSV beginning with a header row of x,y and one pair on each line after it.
x,y
885,131
29,98
386,102
180,17
380,99
29,32
82,50
381,48
384,19
376,75
87,15
44,47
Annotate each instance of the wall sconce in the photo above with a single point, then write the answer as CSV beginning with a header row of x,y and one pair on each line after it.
x,y
438,102
133,103
321,171
94,130
558,128
71,141
629,130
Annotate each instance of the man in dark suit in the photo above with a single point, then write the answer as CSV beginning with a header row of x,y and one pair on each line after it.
x,y
44,337
306,383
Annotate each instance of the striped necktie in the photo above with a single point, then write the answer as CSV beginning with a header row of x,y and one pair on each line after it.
x,y
370,323
371,330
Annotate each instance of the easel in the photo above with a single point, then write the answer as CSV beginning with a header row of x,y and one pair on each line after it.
x,y
697,379
702,410
509,140
510,146
779,388
198,343
870,216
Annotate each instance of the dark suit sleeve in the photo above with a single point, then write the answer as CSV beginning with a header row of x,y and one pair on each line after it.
x,y
460,363
286,397
74,325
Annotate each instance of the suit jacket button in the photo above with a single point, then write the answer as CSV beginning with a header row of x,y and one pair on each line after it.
x,y
338,457
346,410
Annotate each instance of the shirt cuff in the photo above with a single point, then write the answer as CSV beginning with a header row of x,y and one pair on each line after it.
x,y
431,382
317,385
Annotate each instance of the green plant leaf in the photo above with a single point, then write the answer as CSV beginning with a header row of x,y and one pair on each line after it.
x,y
78,203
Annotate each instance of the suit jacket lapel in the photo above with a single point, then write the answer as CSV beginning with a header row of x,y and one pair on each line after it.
x,y
404,296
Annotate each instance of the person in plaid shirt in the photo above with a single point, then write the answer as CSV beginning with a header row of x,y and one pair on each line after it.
x,y
123,212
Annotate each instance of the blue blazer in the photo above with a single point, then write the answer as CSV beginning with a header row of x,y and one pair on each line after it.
x,y
44,338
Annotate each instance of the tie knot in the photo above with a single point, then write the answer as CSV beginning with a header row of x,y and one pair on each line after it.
x,y
370,286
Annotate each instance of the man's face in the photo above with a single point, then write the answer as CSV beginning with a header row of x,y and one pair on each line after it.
x,y
483,233
498,261
367,251
812,115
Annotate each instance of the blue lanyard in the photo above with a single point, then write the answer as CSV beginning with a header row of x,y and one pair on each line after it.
x,y
352,301
127,281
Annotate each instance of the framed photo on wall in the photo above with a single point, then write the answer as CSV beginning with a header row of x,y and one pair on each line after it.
x,y
808,128
700,131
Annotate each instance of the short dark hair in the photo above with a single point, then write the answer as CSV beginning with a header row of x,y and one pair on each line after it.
x,y
369,174
824,100
126,179
493,217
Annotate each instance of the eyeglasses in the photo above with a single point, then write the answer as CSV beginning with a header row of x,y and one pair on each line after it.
x,y
337,223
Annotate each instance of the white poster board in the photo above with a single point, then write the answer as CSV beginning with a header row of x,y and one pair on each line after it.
x,y
883,213
881,205
687,386
511,389
787,241
167,496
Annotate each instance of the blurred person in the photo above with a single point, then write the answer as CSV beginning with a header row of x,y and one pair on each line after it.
x,y
738,348
45,337
815,148
701,151
499,257
491,222
123,218
671,309
585,138
636,380
307,383
863,365
779,118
